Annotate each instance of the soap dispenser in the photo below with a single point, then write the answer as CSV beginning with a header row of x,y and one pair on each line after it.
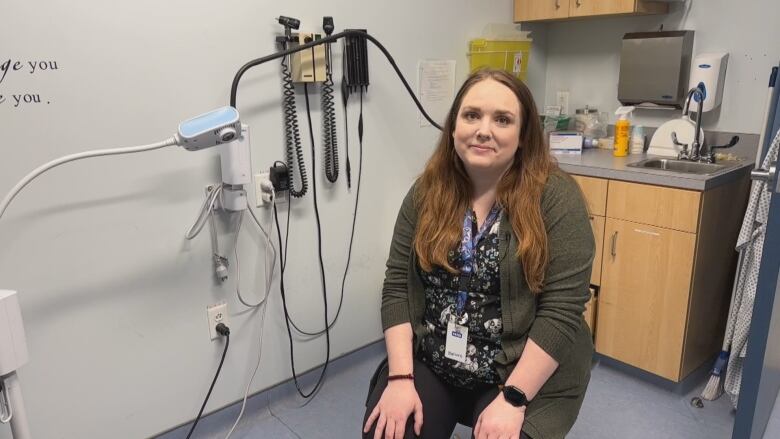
x,y
622,131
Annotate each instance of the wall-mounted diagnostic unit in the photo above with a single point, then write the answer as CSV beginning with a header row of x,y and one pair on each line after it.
x,y
309,65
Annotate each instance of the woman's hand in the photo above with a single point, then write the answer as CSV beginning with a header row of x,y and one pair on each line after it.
x,y
500,420
398,401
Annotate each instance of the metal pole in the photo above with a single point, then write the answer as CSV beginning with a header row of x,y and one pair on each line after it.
x,y
20,428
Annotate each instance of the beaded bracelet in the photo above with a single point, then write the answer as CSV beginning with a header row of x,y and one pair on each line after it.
x,y
408,376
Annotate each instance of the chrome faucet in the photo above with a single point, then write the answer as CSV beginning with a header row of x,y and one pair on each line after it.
x,y
709,156
683,154
695,154
698,153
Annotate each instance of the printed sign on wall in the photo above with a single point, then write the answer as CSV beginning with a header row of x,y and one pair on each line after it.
x,y
13,68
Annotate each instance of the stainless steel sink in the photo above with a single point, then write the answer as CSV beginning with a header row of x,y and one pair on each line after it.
x,y
682,166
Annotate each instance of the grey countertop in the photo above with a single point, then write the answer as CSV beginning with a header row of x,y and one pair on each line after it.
x,y
602,164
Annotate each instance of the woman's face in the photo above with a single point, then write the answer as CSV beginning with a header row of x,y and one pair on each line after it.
x,y
487,128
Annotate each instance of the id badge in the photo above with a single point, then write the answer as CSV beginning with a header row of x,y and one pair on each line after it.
x,y
457,337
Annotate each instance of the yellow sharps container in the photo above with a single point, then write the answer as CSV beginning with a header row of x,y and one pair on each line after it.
x,y
511,56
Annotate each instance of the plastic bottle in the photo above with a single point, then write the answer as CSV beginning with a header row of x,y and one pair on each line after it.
x,y
637,140
622,130
590,142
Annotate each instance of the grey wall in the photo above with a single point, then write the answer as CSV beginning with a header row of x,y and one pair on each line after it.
x,y
583,57
113,297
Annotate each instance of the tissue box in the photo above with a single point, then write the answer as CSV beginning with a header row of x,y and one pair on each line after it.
x,y
566,142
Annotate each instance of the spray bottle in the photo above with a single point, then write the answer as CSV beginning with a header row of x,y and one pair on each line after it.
x,y
622,131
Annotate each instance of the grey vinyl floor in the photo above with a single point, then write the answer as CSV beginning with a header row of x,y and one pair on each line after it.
x,y
619,404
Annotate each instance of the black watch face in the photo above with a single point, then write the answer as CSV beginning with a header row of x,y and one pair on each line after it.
x,y
515,396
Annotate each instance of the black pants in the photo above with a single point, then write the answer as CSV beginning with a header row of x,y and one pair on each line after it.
x,y
443,405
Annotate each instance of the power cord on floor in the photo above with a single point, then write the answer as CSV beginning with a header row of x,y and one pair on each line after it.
x,y
224,331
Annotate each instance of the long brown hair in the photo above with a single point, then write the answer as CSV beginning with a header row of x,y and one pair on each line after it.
x,y
444,190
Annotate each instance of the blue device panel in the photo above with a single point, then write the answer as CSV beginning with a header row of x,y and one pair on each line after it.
x,y
209,121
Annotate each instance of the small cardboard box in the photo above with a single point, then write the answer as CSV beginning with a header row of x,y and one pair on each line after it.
x,y
566,142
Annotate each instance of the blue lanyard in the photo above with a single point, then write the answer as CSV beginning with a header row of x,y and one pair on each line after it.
x,y
467,252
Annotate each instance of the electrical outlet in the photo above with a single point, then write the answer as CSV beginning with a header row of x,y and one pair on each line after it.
x,y
216,313
263,197
563,101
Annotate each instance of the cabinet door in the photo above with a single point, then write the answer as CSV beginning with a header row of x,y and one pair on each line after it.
x,y
595,192
534,10
597,224
585,8
643,300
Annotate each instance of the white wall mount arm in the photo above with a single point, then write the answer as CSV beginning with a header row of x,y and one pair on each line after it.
x,y
204,131
73,157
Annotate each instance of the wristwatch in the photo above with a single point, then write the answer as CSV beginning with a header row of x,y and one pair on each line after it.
x,y
514,396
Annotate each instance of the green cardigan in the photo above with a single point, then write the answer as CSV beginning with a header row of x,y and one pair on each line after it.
x,y
553,318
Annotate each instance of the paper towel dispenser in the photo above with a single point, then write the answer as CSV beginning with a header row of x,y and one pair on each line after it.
x,y
654,68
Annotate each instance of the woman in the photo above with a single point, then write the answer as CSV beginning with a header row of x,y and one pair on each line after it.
x,y
486,282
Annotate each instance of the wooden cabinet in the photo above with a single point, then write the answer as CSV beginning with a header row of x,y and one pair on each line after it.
x,y
643,300
595,192
536,10
542,10
671,208
587,8
597,224
665,264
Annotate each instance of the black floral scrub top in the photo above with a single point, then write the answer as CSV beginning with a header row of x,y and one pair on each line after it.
x,y
482,316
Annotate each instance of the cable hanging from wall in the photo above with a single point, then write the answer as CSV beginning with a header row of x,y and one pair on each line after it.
x,y
331,152
294,151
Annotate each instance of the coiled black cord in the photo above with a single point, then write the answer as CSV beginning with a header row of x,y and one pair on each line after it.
x,y
294,152
331,155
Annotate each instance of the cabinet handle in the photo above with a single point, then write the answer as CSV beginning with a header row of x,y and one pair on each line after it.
x,y
557,4
614,244
579,3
